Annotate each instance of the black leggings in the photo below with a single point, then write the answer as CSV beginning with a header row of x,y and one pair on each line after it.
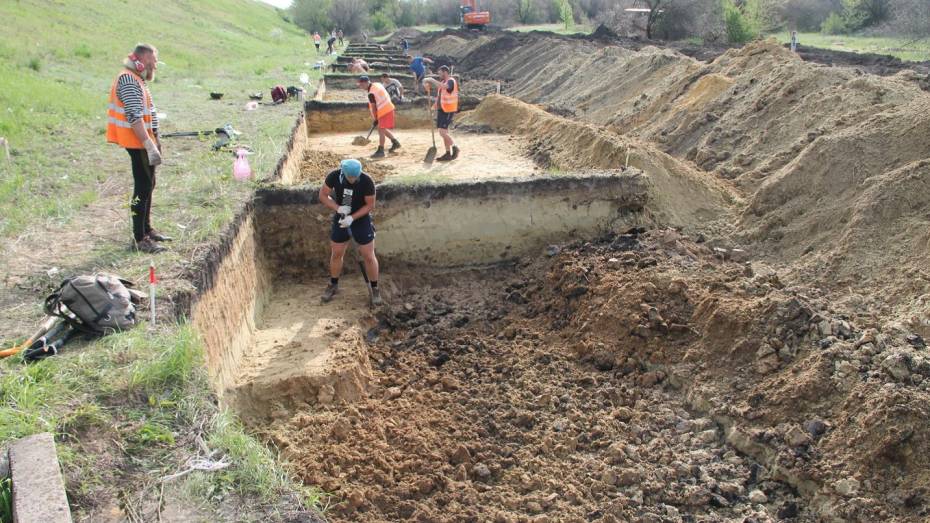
x,y
143,176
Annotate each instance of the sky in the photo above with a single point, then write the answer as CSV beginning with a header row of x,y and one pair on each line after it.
x,y
278,3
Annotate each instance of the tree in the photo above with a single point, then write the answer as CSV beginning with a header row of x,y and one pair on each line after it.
x,y
349,15
312,15
566,15
654,15
911,18
866,13
526,11
808,15
739,27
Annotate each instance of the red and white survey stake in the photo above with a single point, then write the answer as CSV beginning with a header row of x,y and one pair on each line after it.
x,y
152,282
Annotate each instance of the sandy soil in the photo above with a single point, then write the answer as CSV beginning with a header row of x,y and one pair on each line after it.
x,y
491,403
483,156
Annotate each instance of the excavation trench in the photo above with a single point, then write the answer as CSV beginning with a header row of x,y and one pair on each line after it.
x,y
471,395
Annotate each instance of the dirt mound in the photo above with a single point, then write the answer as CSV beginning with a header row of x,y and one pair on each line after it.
x,y
679,194
480,414
808,146
317,164
822,402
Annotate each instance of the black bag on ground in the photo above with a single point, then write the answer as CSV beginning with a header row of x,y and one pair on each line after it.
x,y
96,304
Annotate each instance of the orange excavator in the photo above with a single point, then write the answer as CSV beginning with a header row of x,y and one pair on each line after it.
x,y
472,17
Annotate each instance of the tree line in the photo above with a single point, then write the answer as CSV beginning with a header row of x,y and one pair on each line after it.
x,y
710,20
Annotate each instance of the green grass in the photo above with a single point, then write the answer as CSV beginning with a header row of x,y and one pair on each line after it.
x,y
57,62
902,48
125,408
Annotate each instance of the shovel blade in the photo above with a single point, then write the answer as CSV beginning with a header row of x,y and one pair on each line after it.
x,y
430,156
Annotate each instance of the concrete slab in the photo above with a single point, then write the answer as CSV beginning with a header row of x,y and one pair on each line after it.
x,y
38,489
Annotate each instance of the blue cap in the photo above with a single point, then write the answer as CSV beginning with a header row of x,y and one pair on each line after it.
x,y
364,78
351,168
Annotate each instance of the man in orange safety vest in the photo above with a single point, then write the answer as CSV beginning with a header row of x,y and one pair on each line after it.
x,y
132,123
447,104
382,111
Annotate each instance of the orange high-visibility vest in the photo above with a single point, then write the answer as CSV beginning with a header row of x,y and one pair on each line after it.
x,y
382,100
449,101
119,130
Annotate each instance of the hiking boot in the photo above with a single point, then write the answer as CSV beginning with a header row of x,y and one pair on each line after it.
x,y
379,153
148,246
395,145
445,158
455,152
330,291
156,236
376,297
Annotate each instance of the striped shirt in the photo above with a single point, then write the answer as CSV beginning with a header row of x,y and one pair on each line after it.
x,y
129,92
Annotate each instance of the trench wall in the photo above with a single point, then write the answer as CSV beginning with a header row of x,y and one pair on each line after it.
x,y
226,314
331,117
453,224
350,81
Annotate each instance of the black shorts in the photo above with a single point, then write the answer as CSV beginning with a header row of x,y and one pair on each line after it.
x,y
443,119
362,231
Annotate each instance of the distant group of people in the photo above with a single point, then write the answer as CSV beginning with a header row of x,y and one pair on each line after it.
x,y
381,101
334,35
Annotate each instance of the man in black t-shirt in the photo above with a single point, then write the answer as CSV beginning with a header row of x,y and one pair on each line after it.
x,y
350,193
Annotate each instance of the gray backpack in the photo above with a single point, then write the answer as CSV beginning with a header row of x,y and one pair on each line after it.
x,y
96,304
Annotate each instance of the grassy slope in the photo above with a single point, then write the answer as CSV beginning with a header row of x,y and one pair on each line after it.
x,y
900,47
57,60
131,407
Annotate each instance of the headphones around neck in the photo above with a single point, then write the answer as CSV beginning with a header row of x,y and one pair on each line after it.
x,y
135,60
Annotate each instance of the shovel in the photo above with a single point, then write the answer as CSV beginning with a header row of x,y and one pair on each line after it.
x,y
360,140
46,325
431,152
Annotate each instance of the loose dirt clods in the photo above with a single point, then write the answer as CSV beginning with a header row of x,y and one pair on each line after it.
x,y
754,351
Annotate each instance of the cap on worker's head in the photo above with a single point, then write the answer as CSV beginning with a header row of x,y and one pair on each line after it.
x,y
384,75
444,68
363,78
351,168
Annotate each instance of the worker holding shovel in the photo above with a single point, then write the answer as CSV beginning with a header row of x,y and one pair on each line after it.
x,y
447,104
132,123
350,193
382,111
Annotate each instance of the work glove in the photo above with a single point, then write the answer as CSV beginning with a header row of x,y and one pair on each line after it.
x,y
374,123
344,210
346,222
152,150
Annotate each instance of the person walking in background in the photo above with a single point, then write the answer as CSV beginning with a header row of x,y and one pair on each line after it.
x,y
316,41
382,111
329,43
447,104
405,45
132,123
339,35
418,67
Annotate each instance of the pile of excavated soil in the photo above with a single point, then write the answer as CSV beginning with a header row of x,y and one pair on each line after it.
x,y
679,194
811,148
834,407
637,377
481,412
317,164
